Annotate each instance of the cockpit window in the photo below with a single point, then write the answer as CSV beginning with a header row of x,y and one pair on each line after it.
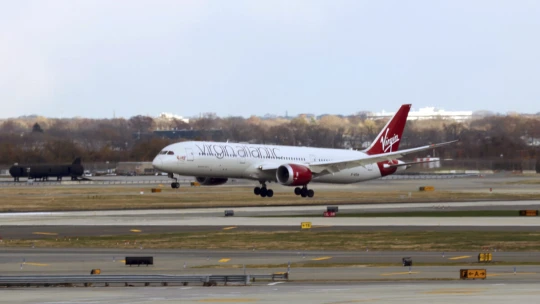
x,y
170,153
163,152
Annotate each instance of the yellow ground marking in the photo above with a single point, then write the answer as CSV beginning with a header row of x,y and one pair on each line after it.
x,y
135,230
462,291
321,258
224,260
226,300
35,264
460,257
121,261
45,233
399,273
229,228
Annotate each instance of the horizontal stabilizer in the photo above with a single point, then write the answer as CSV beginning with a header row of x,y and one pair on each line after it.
x,y
409,164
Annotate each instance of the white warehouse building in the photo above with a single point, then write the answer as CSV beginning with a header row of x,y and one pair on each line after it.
x,y
428,113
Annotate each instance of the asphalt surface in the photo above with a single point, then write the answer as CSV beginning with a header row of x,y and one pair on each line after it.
x,y
479,292
304,266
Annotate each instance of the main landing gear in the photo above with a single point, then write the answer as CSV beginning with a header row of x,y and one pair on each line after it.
x,y
262,191
304,191
175,184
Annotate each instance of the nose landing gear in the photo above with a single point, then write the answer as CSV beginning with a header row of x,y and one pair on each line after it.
x,y
175,184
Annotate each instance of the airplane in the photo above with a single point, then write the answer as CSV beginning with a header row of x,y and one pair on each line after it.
x,y
45,171
213,163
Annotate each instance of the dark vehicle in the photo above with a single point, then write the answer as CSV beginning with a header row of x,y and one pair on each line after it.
x,y
43,172
407,261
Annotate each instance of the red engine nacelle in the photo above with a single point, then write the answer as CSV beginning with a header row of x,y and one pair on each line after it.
x,y
211,181
293,175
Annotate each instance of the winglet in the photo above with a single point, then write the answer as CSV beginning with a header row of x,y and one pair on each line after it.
x,y
390,136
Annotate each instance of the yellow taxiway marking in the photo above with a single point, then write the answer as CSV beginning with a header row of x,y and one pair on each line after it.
x,y
399,273
460,257
122,261
224,260
462,291
229,228
45,233
321,258
135,230
228,300
35,264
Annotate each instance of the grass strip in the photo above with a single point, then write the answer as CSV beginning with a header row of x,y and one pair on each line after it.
x,y
130,197
304,240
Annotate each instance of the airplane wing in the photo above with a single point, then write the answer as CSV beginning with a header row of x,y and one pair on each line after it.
x,y
268,167
322,168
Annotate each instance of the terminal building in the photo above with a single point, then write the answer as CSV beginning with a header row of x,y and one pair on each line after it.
x,y
427,113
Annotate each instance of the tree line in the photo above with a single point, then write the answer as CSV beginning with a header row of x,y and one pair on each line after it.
x,y
39,139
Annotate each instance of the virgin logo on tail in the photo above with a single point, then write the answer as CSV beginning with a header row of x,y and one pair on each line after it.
x,y
394,128
388,143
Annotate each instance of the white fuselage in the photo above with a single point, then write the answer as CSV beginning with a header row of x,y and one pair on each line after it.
x,y
237,160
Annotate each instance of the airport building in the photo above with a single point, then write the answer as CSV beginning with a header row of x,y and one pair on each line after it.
x,y
428,113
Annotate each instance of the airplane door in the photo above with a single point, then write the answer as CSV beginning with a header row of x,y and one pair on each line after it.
x,y
189,154
312,158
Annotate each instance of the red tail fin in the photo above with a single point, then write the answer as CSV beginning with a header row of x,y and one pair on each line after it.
x,y
390,136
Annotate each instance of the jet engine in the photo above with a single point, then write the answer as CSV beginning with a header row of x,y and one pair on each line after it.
x,y
211,181
293,175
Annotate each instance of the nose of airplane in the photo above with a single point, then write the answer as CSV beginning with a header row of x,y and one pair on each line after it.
x,y
157,162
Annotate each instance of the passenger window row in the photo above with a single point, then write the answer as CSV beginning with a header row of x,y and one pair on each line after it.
x,y
265,157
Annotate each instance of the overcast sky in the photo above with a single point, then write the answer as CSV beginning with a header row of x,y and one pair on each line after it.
x,y
95,58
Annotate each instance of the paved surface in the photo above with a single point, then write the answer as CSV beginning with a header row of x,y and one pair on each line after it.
x,y
359,265
245,216
142,219
481,292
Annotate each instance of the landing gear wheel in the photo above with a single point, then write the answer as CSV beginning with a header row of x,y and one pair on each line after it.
x,y
270,193
175,185
264,192
303,192
310,193
257,190
297,190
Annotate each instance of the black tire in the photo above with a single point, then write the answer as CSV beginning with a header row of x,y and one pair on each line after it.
x,y
303,193
264,192
177,185
310,193
173,185
297,190
257,191
270,193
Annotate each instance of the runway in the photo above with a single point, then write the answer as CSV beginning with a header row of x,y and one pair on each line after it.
x,y
310,266
77,261
167,219
481,292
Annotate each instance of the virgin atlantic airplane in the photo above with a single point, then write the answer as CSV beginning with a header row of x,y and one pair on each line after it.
x,y
213,163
